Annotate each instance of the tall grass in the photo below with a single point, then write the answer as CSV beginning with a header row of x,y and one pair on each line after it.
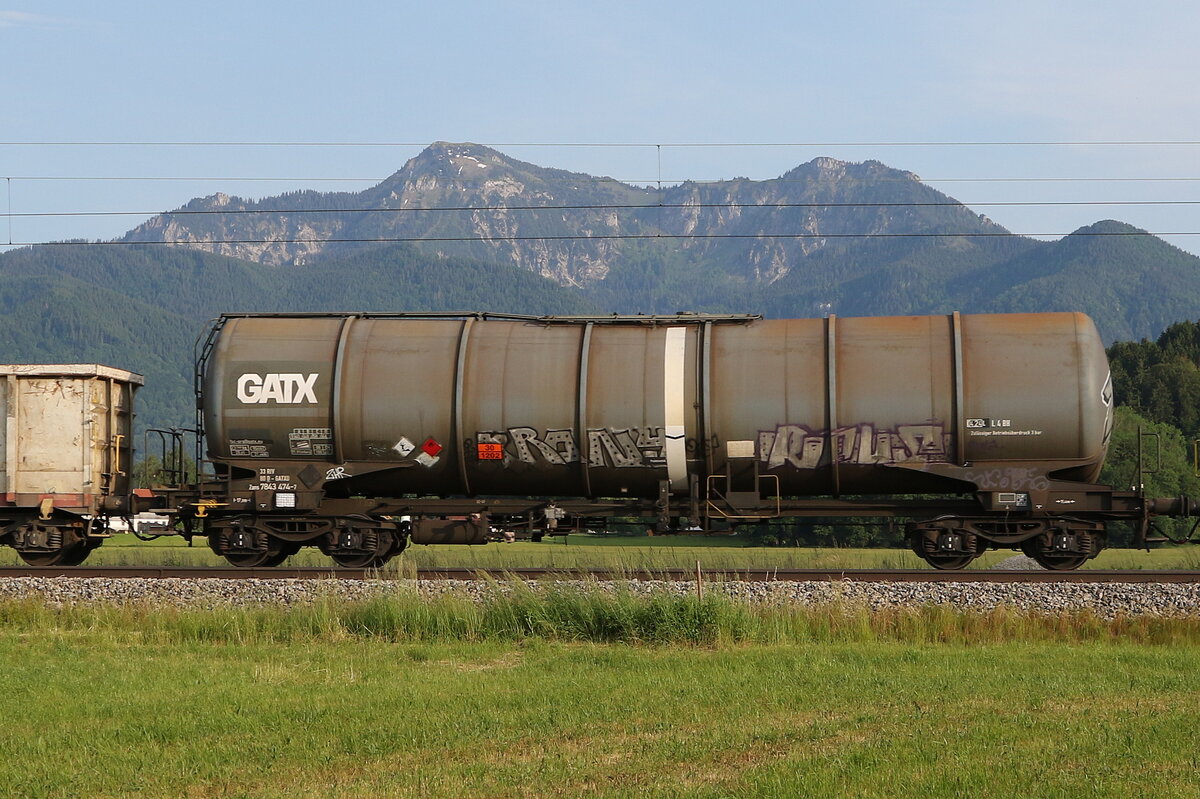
x,y
520,613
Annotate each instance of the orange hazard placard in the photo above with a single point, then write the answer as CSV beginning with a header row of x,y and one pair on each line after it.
x,y
490,452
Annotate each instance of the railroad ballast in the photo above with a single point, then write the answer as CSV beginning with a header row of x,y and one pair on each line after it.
x,y
359,433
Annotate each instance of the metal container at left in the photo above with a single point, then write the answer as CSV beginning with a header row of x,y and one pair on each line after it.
x,y
67,438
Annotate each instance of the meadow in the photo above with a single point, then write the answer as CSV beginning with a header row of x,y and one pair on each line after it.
x,y
566,695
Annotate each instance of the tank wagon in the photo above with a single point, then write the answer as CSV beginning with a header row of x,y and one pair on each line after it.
x,y
359,433
65,457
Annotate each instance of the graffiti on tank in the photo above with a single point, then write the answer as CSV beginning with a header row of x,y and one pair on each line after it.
x,y
798,446
619,448
1009,478
623,448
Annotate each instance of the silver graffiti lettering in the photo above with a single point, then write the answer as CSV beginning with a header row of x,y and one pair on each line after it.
x,y
606,447
563,442
525,440
924,441
802,448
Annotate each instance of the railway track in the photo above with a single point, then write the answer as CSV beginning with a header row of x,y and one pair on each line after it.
x,y
754,575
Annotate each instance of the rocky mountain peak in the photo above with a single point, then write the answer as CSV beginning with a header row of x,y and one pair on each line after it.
x,y
472,201
827,169
449,159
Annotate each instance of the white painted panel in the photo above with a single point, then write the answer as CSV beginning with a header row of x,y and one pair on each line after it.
x,y
52,437
675,407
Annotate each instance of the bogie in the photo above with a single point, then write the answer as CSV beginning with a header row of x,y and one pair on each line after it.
x,y
1064,548
1057,544
41,543
363,543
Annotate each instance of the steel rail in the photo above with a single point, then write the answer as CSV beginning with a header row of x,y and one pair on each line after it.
x,y
751,575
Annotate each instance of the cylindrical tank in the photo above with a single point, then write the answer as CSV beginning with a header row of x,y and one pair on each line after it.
x,y
496,405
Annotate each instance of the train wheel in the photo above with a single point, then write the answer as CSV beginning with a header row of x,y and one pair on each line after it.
x,y
249,561
1049,559
943,544
276,552
1063,549
285,552
1060,563
949,562
79,554
42,558
68,556
1055,561
70,549
400,543
386,544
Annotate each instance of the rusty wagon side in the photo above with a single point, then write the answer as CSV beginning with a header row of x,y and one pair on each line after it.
x,y
67,447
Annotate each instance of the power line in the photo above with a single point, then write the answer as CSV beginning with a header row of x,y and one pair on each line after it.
x,y
1057,180
613,236
616,145
596,207
583,177
150,178
642,183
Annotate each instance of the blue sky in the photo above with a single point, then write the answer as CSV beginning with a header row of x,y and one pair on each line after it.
x,y
570,73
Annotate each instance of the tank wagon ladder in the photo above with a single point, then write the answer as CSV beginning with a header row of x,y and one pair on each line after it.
x,y
723,503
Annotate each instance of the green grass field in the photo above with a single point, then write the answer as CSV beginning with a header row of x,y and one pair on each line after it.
x,y
532,699
615,552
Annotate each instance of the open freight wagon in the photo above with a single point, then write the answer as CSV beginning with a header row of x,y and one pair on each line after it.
x,y
67,444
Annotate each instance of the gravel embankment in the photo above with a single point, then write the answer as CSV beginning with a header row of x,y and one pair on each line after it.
x,y
1105,599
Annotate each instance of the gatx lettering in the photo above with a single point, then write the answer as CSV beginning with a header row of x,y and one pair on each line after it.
x,y
283,389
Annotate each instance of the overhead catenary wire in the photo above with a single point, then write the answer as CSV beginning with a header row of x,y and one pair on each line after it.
x,y
659,181
625,145
593,207
656,146
601,237
591,178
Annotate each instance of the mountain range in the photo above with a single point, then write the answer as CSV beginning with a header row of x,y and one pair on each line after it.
x,y
465,227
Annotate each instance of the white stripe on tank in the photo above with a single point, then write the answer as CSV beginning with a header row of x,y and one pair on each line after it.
x,y
675,407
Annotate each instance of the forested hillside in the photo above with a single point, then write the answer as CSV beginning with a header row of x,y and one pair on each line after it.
x,y
142,307
1160,379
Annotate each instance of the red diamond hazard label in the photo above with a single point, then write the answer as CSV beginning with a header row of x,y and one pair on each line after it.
x,y
431,447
